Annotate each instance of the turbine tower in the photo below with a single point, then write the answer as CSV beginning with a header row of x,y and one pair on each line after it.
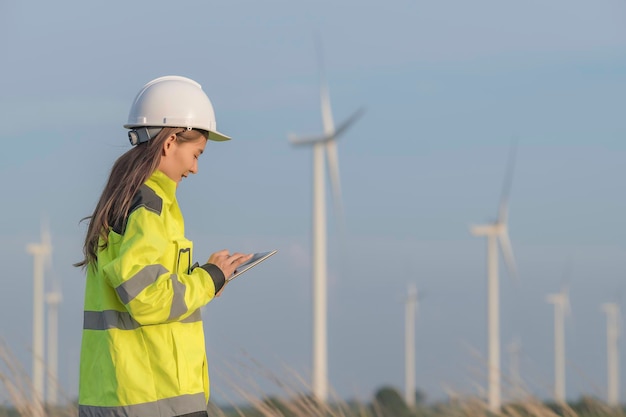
x,y
496,232
53,299
515,348
561,308
42,255
324,145
612,311
409,346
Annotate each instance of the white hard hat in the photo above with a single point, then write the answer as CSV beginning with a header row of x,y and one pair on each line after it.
x,y
172,101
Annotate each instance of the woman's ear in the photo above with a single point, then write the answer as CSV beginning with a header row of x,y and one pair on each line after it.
x,y
168,144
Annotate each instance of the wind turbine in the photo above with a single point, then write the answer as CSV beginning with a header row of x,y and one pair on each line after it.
x,y
409,345
496,232
612,311
561,308
53,299
42,256
324,145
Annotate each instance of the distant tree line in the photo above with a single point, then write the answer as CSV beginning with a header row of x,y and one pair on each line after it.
x,y
389,402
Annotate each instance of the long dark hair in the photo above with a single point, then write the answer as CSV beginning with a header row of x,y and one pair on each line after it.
x,y
128,173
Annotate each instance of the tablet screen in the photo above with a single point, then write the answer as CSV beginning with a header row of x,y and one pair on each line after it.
x,y
256,259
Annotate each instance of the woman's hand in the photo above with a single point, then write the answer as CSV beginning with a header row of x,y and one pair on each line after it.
x,y
228,263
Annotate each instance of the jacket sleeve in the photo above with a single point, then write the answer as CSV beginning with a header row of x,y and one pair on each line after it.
x,y
139,273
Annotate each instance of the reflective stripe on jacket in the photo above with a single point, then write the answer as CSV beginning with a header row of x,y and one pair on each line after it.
x,y
143,351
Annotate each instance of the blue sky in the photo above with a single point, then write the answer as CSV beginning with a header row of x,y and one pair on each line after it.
x,y
446,85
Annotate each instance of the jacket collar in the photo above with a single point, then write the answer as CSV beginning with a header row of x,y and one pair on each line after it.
x,y
159,181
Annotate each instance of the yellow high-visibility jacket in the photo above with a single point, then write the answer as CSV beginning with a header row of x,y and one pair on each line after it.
x,y
143,351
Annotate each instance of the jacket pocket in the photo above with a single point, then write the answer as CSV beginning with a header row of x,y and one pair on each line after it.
x,y
183,257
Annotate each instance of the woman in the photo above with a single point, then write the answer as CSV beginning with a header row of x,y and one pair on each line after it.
x,y
143,351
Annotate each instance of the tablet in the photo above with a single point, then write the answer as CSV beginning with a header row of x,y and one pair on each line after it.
x,y
256,259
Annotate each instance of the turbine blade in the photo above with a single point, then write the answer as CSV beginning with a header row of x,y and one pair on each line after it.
x,y
333,169
507,253
567,308
508,180
349,122
325,104
45,232
327,113
307,139
46,242
298,140
319,54
503,212
565,287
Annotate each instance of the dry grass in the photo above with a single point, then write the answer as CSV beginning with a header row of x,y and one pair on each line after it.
x,y
17,384
19,390
293,402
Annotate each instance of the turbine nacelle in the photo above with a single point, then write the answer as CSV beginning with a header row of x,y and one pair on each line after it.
x,y
309,140
329,135
611,308
499,230
329,141
38,249
54,298
491,229
561,301
44,248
